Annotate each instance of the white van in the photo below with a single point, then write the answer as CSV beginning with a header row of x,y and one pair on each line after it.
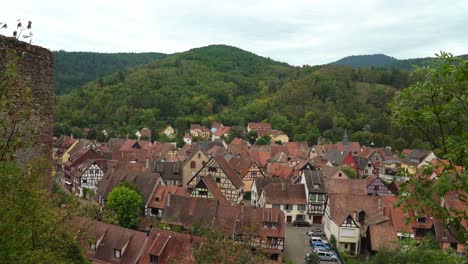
x,y
326,256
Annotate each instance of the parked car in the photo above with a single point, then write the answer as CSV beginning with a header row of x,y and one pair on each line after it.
x,y
317,249
316,232
312,231
314,239
320,244
326,256
300,223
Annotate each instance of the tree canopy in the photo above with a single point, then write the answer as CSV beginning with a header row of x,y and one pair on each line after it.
x,y
436,107
126,204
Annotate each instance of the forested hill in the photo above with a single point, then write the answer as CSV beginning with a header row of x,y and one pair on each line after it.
x,y
376,60
233,86
382,60
74,69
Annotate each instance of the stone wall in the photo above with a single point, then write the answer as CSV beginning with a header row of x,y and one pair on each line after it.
x,y
36,66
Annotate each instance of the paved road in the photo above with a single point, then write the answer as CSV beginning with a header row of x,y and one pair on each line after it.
x,y
297,244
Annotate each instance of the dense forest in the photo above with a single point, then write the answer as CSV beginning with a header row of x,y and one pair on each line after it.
x,y
229,85
74,69
382,60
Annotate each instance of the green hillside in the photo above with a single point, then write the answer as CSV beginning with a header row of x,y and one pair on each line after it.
x,y
233,86
74,69
375,60
382,60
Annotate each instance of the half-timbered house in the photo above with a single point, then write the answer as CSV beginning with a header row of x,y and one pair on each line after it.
x,y
314,184
260,227
171,172
345,218
375,186
288,197
207,188
365,167
193,164
88,174
225,177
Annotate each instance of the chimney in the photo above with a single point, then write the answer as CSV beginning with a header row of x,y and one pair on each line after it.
x,y
168,200
282,186
147,163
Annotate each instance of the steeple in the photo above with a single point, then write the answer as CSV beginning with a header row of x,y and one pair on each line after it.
x,y
345,137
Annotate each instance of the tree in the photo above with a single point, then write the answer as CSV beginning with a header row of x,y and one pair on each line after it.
x,y
416,251
263,140
126,204
351,173
252,136
437,108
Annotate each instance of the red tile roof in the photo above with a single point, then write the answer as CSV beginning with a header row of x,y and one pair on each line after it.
x,y
281,193
257,126
158,198
170,247
346,186
229,171
279,170
130,242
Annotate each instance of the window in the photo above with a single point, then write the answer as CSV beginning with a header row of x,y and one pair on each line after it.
x,y
192,164
212,169
369,165
376,188
154,259
266,224
421,220
254,174
366,171
340,174
288,207
199,155
313,197
203,193
361,216
92,246
301,207
352,164
274,225
276,206
203,163
117,253
316,186
218,179
321,197
156,199
85,181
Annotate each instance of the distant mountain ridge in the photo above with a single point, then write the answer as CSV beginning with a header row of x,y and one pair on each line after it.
x,y
384,61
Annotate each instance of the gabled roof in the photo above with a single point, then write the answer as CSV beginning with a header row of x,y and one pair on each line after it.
x,y
169,245
158,198
229,171
135,173
348,204
260,157
314,178
362,162
280,170
336,157
417,154
382,236
168,170
130,242
280,157
283,193
257,126
226,218
260,183
346,186
208,183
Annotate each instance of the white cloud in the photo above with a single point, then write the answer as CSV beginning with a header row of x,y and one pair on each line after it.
x,y
298,32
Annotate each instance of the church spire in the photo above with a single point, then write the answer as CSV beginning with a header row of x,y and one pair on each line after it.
x,y
345,137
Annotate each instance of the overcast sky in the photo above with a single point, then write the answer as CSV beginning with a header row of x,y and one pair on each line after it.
x,y
294,31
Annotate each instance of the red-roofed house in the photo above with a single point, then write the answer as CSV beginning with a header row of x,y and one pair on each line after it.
x,y
290,198
197,130
225,177
258,126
